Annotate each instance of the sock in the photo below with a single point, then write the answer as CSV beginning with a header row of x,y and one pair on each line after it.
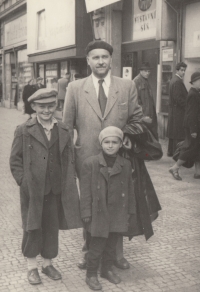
x,y
32,263
46,263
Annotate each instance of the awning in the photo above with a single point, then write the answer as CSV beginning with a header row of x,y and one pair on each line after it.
x,y
92,5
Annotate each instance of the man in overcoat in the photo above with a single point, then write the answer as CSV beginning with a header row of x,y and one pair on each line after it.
x,y
39,84
98,101
62,85
177,102
145,98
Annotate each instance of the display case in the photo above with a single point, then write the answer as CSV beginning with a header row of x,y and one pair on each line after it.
x,y
167,73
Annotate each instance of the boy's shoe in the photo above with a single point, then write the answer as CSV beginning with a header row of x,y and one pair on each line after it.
x,y
51,272
110,276
93,283
82,264
34,277
122,264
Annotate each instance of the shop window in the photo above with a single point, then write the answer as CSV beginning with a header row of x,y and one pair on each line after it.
x,y
64,68
52,75
41,71
41,41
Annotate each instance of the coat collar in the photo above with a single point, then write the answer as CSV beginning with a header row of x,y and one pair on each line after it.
x,y
33,129
117,167
92,99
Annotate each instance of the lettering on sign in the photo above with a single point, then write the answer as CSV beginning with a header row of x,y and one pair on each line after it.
x,y
16,31
144,19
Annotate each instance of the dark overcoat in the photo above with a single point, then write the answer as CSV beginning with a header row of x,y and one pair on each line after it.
x,y
177,102
27,92
28,163
191,146
145,99
107,198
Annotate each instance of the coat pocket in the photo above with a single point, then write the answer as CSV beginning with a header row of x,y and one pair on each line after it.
x,y
123,110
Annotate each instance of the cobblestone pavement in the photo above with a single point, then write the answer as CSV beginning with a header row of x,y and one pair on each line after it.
x,y
169,261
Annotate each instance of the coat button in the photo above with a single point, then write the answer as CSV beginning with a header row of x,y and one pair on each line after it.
x,y
123,195
98,187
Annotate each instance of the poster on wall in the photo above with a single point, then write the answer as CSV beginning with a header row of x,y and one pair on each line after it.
x,y
144,19
127,73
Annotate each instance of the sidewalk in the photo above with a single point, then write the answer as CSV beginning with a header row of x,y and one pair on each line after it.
x,y
169,261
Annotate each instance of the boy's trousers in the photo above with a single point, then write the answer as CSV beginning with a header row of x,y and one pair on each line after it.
x,y
101,248
44,241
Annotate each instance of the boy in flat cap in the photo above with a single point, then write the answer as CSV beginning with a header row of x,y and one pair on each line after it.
x,y
41,162
107,199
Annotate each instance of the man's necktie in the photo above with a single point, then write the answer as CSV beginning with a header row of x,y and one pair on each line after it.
x,y
102,97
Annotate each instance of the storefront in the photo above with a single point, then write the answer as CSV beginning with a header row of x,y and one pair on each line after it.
x,y
62,33
17,69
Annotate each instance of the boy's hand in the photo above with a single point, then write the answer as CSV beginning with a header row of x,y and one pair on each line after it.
x,y
194,135
147,120
86,220
127,143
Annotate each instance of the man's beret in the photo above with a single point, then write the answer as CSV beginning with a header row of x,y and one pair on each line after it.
x,y
43,95
195,76
99,45
110,131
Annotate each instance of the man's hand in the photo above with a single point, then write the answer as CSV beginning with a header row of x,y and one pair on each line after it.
x,y
147,120
87,220
127,143
194,135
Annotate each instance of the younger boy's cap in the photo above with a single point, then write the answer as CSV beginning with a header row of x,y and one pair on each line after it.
x,y
110,131
43,95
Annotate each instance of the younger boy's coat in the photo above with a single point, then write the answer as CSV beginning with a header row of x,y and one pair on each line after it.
x,y
29,156
108,199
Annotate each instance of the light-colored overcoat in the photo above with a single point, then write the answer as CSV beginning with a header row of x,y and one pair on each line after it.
x,y
82,111
28,163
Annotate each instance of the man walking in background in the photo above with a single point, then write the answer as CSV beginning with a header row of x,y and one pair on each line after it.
x,y
145,98
177,102
62,85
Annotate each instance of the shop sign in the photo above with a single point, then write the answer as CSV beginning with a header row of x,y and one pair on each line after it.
x,y
196,39
144,19
16,31
92,5
167,55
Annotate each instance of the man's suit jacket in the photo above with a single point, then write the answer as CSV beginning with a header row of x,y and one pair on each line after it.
x,y
62,84
82,111
177,102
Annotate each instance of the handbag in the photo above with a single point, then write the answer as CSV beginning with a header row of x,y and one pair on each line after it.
x,y
179,146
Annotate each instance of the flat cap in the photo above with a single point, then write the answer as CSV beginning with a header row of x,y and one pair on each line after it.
x,y
110,131
145,66
43,95
195,76
99,45
39,78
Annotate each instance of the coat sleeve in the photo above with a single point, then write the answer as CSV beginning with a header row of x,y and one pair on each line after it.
x,y
179,94
85,190
192,110
69,110
131,193
16,157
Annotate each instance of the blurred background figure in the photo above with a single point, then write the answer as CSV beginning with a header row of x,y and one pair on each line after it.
x,y
29,89
62,88
177,102
39,84
190,150
145,98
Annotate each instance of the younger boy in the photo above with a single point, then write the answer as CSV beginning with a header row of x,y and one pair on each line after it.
x,y
107,199
41,163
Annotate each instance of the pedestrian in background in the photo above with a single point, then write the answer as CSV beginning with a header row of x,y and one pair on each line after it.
x,y
62,88
177,102
29,89
107,200
39,84
40,162
190,149
145,98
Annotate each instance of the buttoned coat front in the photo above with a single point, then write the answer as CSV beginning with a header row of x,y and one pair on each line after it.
x,y
28,163
106,197
82,111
